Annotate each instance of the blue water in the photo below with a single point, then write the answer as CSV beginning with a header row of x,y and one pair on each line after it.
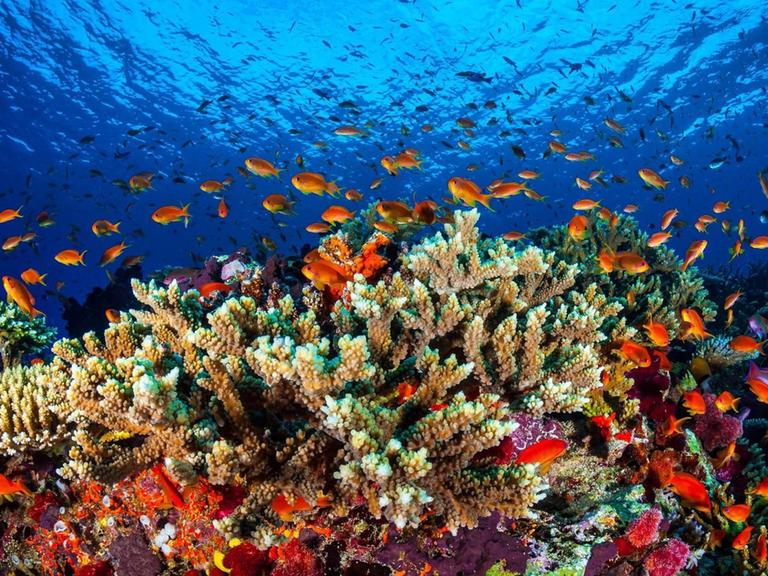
x,y
697,72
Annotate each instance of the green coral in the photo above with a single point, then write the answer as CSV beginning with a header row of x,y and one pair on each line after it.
x,y
21,335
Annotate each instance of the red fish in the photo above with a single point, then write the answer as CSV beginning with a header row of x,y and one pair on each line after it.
x,y
543,453
9,487
691,491
694,402
285,510
737,512
169,489
742,539
210,287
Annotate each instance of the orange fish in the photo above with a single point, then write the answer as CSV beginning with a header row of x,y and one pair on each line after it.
x,y
725,455
334,214
631,208
667,218
11,243
210,287
111,253
285,510
615,126
9,214
657,333
112,315
736,250
349,131
694,324
314,183
468,192
388,163
762,488
278,204
223,209
583,184
684,181
394,211
211,186
579,156
170,491
318,228
671,426
664,363
375,184
9,487
606,260
730,300
631,263
507,189
19,293
636,353
264,168
675,160
694,402
528,174
742,539
759,242
586,204
141,181
721,207
690,489
557,147
353,195
695,250
408,161
386,227
543,453
761,549
737,512
404,391
167,214
652,178
747,344
322,274
658,239
70,257
32,277
105,228
513,236
424,212
578,227
726,401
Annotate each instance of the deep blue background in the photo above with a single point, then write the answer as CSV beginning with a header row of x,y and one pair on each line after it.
x,y
101,68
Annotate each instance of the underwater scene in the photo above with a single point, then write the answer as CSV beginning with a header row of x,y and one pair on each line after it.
x,y
384,288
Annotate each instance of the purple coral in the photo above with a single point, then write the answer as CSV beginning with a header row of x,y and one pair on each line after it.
x,y
714,428
530,430
667,560
650,386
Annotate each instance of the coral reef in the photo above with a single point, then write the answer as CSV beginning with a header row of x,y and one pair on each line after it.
x,y
21,335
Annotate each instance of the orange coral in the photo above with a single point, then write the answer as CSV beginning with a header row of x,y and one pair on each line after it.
x,y
338,250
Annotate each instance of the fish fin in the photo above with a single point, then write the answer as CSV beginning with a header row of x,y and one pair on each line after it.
x,y
486,201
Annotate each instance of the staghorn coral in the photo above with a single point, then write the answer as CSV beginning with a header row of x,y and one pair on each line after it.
x,y
659,293
21,335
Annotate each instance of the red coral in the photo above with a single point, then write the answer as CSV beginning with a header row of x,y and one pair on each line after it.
x,y
714,428
98,568
297,560
667,560
644,530
661,467
42,502
247,560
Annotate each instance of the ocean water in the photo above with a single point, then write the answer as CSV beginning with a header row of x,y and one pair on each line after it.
x,y
93,92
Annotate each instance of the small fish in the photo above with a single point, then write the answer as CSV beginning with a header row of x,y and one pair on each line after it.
x,y
614,125
763,183
112,253
726,401
737,512
141,181
652,178
672,426
318,228
720,207
731,299
742,539
586,204
222,210
21,296
32,277
578,227
468,192
167,214
694,402
314,183
762,488
424,212
112,315
210,287
690,489
9,214
211,186
70,257
353,195
322,274
528,174
349,131
278,204
695,250
543,453
657,333
693,324
658,239
105,228
759,242
746,344
386,227
263,168
636,353
513,236
10,487
336,214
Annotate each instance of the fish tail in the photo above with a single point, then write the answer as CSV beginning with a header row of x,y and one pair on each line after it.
x,y
34,312
185,214
486,201
116,227
81,256
42,279
332,189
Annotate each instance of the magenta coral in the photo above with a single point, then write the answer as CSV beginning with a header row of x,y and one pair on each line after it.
x,y
644,530
667,560
714,428
650,387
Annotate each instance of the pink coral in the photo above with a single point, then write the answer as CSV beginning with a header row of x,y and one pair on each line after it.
x,y
667,560
714,428
644,530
